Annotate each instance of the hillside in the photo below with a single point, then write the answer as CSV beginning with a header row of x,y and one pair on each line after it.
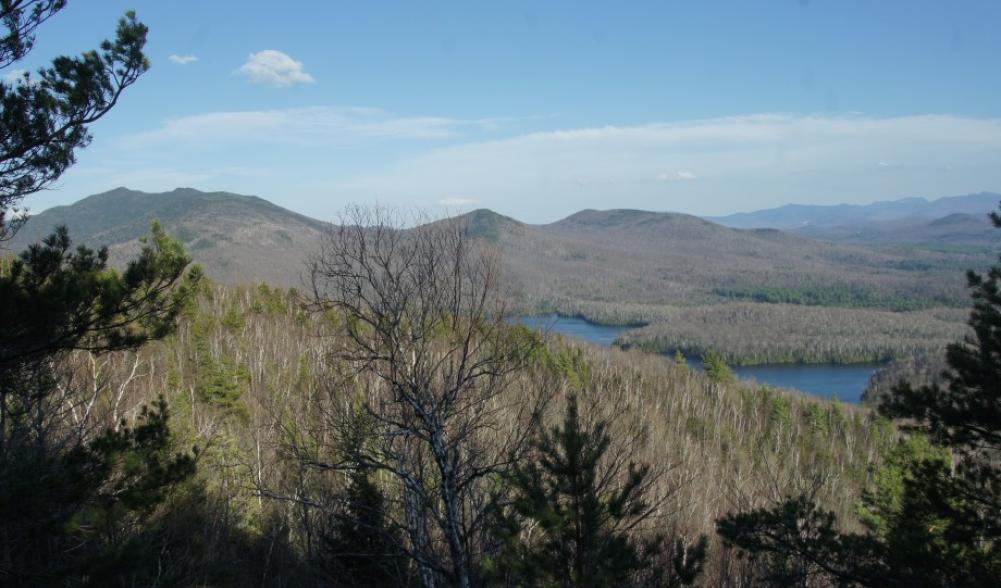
x,y
236,238
628,256
247,375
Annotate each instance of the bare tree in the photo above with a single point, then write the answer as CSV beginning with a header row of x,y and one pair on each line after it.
x,y
423,319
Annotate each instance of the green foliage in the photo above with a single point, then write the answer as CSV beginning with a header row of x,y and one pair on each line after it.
x,y
269,301
57,299
221,382
844,295
581,514
570,364
817,419
882,508
129,469
716,368
361,548
780,415
51,301
233,319
74,495
796,541
95,497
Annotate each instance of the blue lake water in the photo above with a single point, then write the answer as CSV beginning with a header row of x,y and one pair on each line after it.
x,y
574,327
846,382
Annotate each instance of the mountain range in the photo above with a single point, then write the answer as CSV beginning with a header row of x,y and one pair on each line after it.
x,y
610,257
805,216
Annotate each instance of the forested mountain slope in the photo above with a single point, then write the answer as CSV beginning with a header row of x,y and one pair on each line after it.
x,y
236,238
663,258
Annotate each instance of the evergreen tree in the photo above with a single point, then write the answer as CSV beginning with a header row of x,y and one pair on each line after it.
x,y
361,548
717,369
67,495
571,518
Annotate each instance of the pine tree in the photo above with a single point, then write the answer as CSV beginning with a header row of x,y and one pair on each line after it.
x,y
57,486
717,369
570,519
361,548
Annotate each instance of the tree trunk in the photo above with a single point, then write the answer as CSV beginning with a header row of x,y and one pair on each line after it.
x,y
450,496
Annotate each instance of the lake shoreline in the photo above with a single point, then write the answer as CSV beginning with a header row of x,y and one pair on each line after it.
x,y
845,381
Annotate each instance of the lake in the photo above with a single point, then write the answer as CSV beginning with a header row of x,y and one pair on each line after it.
x,y
846,382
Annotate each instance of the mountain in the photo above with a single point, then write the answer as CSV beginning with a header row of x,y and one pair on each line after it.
x,y
802,216
236,238
610,257
620,257
759,295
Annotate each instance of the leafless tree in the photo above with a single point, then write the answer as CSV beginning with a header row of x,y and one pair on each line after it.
x,y
423,320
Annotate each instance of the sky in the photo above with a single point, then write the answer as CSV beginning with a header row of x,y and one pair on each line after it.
x,y
539,109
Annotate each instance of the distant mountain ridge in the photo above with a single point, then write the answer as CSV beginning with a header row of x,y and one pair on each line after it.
x,y
617,256
803,216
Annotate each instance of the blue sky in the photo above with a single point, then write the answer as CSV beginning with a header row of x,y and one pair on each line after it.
x,y
539,109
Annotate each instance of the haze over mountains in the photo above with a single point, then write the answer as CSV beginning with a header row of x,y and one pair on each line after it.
x,y
798,216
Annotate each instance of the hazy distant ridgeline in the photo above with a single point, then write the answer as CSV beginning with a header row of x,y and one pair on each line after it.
x,y
624,266
797,216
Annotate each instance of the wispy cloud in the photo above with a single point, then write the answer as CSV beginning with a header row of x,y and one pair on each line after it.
x,y
182,59
747,161
678,176
457,201
307,126
274,68
19,76
326,156
14,76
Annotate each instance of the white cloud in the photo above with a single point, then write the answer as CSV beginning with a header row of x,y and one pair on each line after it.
x,y
182,59
678,176
457,201
274,68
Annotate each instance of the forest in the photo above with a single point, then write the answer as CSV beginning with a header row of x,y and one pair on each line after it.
x,y
387,424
